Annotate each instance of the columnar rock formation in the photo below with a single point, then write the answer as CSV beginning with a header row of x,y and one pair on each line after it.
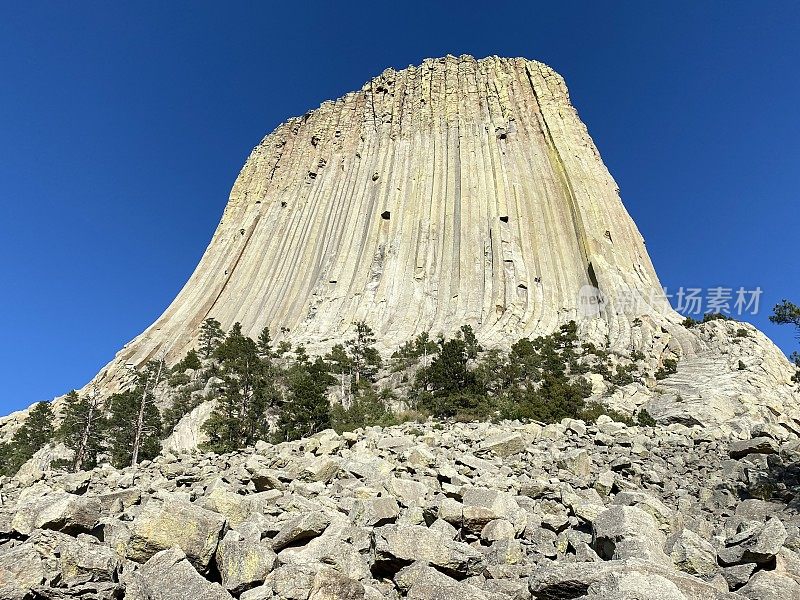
x,y
459,191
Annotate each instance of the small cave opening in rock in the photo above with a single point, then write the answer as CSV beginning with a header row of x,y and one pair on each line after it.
x,y
386,215
504,219
283,204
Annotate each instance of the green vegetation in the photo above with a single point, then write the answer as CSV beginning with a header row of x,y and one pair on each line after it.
x,y
33,434
210,335
787,313
306,411
248,389
669,366
264,391
645,419
82,428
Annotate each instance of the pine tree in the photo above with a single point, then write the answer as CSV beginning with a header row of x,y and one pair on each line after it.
x,y
210,335
123,423
265,343
364,357
32,436
149,379
190,361
248,390
307,410
81,428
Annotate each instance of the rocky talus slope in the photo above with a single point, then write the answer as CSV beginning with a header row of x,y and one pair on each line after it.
x,y
423,511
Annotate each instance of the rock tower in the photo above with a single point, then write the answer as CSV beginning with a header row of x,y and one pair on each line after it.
x,y
458,191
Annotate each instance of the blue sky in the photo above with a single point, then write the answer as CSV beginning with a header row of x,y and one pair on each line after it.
x,y
123,126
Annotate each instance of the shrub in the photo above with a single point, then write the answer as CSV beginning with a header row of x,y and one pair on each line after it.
x,y
715,317
365,411
669,367
593,410
645,419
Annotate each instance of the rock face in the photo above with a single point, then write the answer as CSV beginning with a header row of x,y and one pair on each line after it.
x,y
657,513
457,191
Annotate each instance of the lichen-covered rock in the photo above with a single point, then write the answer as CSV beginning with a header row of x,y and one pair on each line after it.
x,y
396,546
300,528
164,525
167,575
692,554
59,511
243,564
21,569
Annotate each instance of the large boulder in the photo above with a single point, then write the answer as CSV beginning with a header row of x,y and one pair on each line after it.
x,y
21,569
330,584
630,579
395,546
758,445
164,525
692,554
168,575
623,532
243,564
769,585
59,511
299,529
754,543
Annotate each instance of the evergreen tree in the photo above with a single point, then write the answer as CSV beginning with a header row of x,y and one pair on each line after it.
x,y
364,357
448,387
787,313
32,436
210,335
338,360
307,410
248,390
368,409
125,409
190,361
148,380
301,355
81,428
264,343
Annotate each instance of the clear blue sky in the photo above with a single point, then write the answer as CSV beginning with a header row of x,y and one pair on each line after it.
x,y
123,126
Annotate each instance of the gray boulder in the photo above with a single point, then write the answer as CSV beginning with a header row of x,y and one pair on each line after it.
x,y
164,525
692,554
168,575
396,546
630,579
758,445
623,532
769,585
59,511
330,584
243,564
300,529
21,569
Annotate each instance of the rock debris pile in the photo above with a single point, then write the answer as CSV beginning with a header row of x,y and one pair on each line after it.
x,y
423,511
